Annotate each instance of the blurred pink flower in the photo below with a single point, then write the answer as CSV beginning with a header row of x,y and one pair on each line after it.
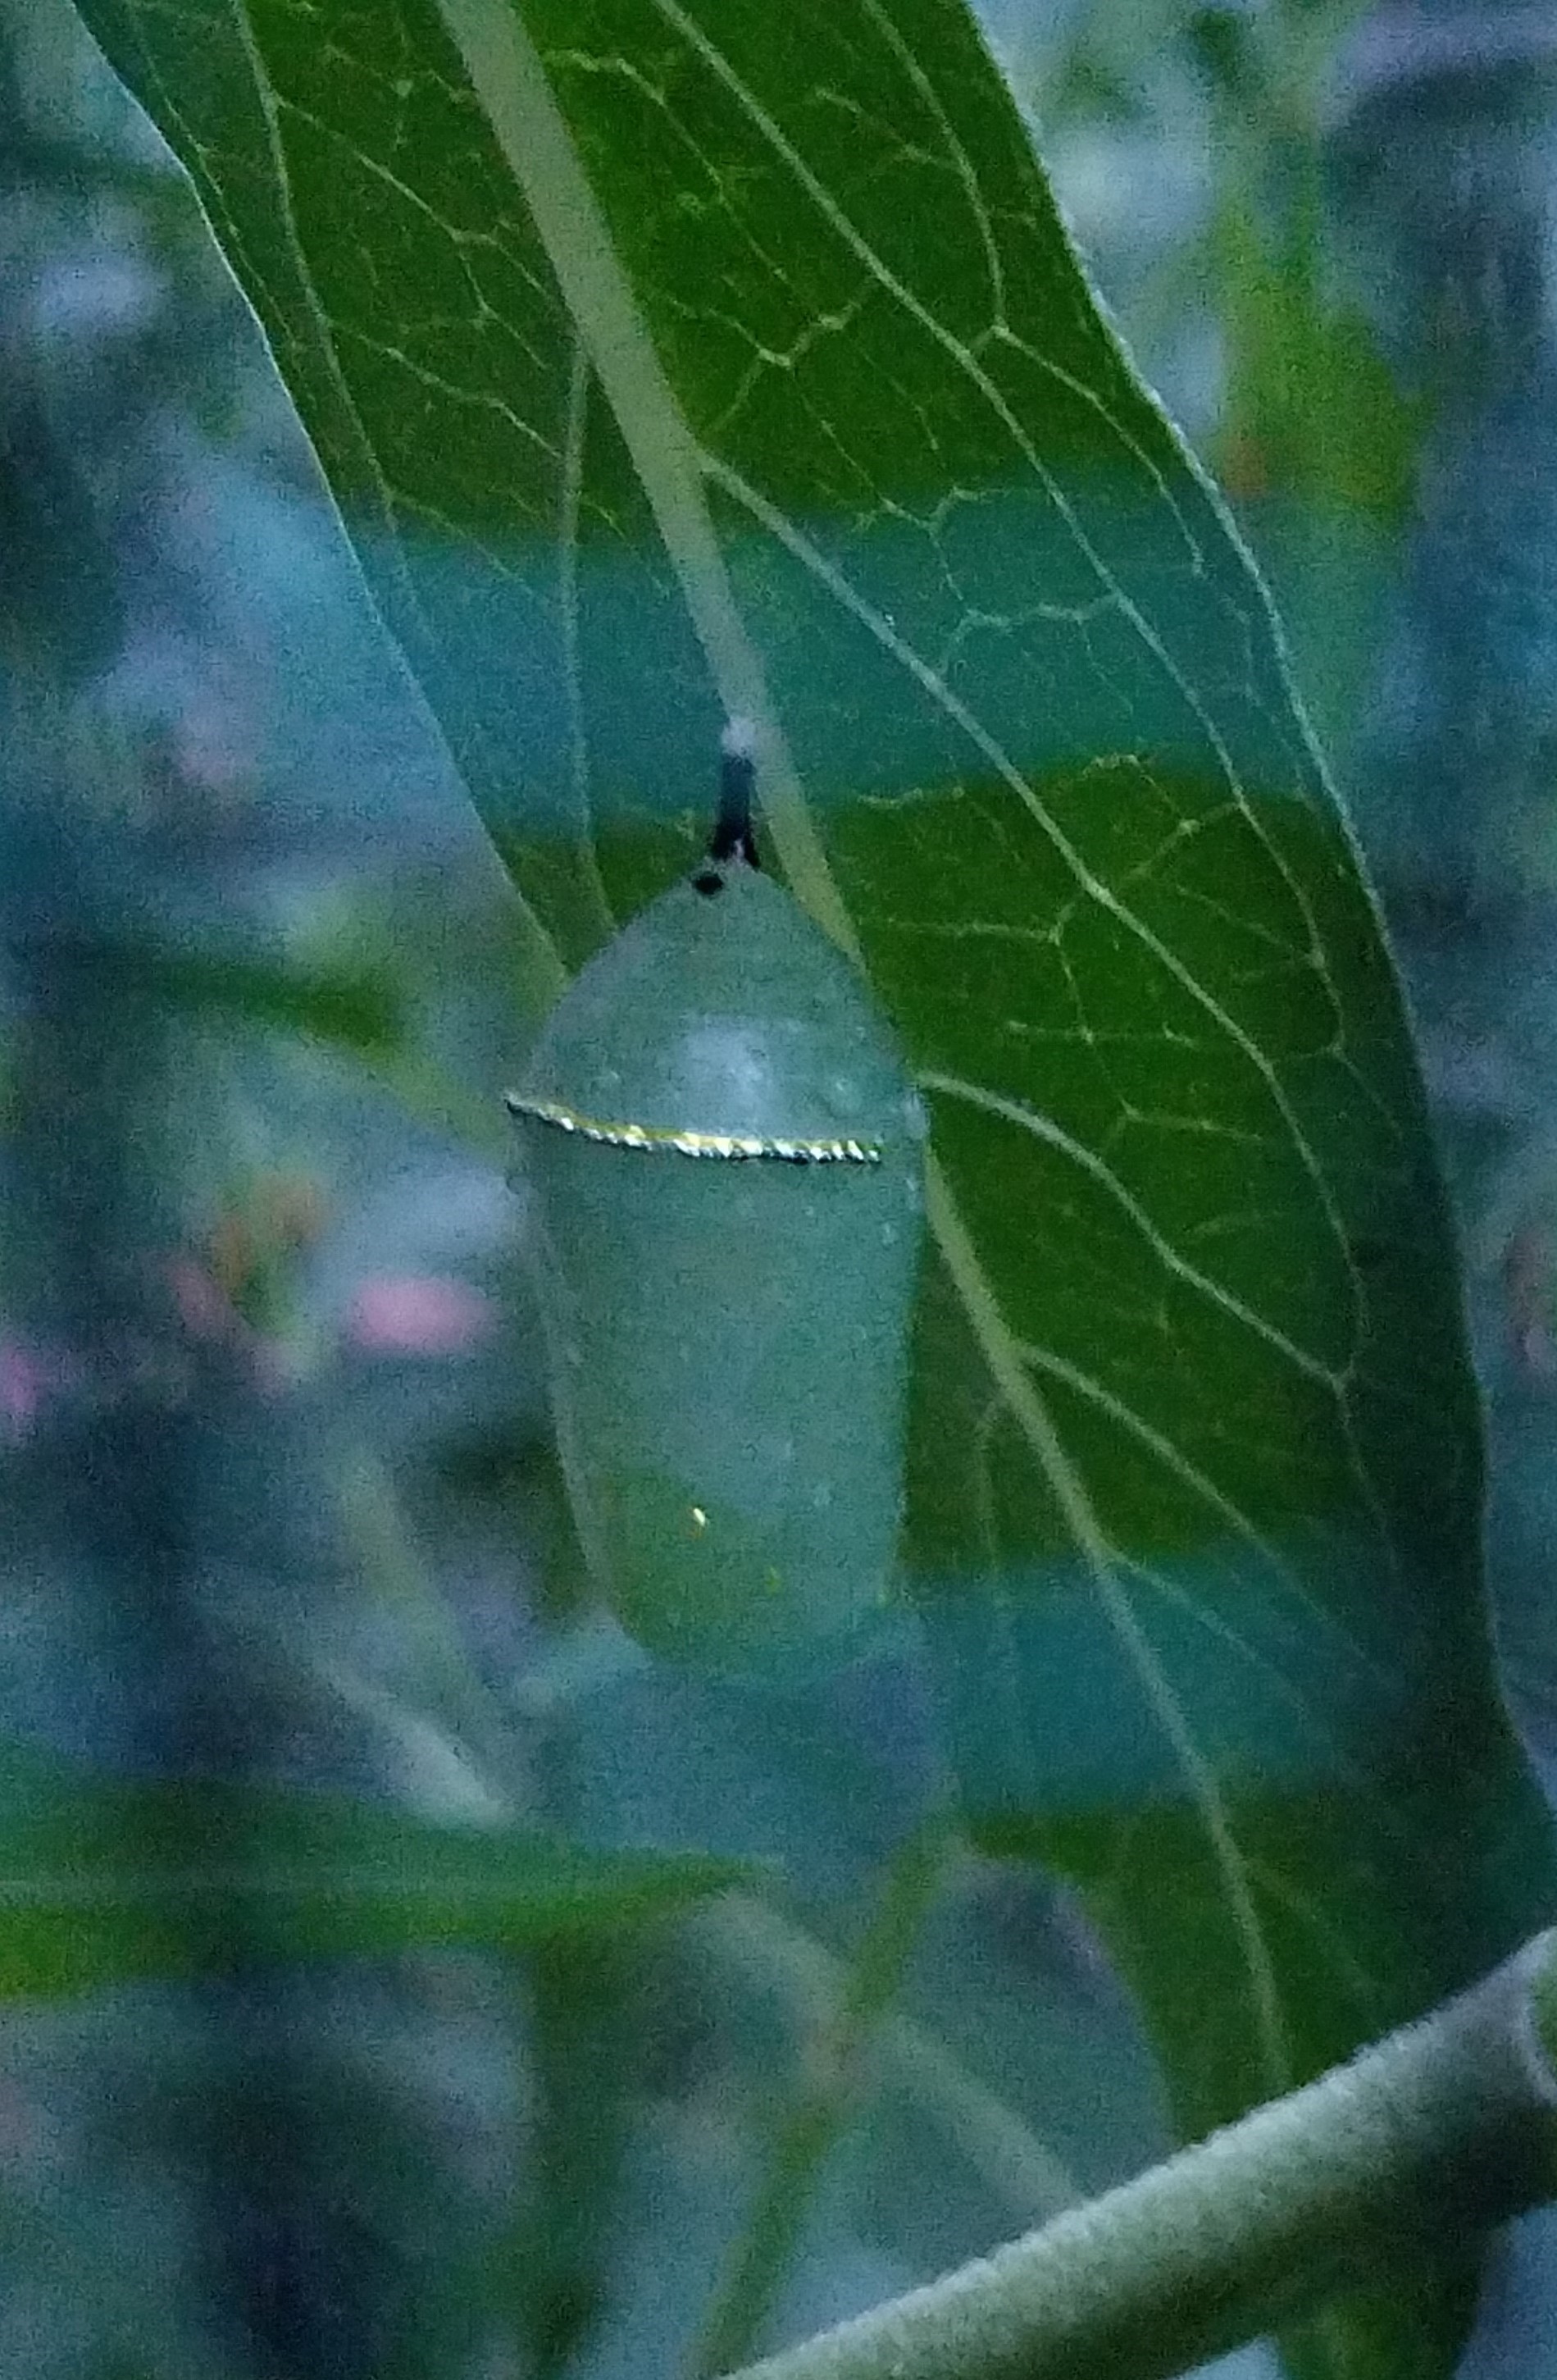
x,y
417,1313
204,1307
23,1380
30,1376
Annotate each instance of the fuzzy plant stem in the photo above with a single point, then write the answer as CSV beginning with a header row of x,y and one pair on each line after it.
x,y
1440,2130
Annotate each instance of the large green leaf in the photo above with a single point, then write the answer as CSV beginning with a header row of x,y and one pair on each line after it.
x,y
105,1882
667,358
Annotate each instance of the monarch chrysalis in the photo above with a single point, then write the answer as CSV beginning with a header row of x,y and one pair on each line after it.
x,y
724,1153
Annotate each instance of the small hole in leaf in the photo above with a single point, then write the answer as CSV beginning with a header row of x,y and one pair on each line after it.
x,y
708,881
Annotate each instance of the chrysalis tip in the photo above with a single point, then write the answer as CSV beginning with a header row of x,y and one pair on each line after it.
x,y
734,837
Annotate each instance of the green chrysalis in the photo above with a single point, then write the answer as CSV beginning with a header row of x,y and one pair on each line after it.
x,y
725,1155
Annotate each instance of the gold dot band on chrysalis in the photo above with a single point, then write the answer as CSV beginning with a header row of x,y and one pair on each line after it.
x,y
729,1144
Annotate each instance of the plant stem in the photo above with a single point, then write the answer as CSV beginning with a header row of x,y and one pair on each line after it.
x,y
1442,2129
998,2146
820,2108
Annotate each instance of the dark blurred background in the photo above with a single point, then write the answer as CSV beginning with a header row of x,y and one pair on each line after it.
x,y
278,1504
